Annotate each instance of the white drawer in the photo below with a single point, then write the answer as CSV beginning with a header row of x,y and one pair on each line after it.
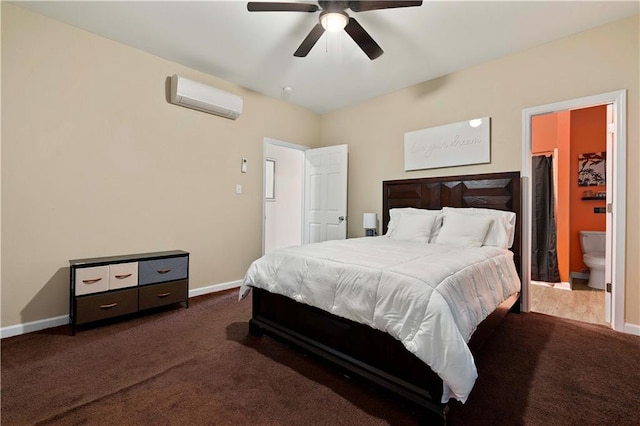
x,y
92,280
122,275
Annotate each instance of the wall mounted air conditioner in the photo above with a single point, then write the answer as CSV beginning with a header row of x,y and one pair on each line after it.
x,y
194,95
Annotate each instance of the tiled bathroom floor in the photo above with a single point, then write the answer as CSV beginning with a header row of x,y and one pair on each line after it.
x,y
582,303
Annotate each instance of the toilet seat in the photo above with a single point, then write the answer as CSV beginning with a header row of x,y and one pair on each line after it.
x,y
594,259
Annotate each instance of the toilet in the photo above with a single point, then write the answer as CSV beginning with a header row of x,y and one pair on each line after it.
x,y
593,245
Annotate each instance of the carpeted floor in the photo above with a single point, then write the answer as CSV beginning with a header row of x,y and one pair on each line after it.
x,y
199,366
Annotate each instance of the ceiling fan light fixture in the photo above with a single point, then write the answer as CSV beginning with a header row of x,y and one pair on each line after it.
x,y
334,21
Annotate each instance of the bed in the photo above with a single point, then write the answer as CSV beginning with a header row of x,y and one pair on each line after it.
x,y
389,349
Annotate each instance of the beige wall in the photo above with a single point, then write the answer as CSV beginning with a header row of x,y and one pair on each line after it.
x,y
597,61
96,162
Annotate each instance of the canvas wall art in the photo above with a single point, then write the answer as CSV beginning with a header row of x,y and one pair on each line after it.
x,y
592,169
457,144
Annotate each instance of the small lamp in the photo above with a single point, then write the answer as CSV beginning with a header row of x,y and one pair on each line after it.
x,y
370,223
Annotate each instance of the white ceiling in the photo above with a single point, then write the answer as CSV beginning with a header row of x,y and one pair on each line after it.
x,y
255,50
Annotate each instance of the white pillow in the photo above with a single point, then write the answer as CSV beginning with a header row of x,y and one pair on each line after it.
x,y
502,230
464,230
414,227
396,213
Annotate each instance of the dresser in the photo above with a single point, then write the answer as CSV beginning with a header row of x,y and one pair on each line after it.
x,y
109,287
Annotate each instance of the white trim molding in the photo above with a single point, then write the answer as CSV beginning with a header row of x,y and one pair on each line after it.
x,y
619,101
632,329
29,327
214,288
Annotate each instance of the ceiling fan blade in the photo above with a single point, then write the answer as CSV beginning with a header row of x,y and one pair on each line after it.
x,y
363,6
310,41
259,6
363,39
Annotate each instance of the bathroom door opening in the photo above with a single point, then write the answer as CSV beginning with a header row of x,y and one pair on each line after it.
x,y
615,200
561,214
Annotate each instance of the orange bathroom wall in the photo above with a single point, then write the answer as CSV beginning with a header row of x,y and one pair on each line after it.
x,y
550,132
544,134
588,134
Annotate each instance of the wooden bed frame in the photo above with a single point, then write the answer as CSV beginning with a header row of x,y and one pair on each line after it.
x,y
374,355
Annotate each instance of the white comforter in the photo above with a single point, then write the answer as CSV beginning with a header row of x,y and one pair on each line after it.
x,y
431,297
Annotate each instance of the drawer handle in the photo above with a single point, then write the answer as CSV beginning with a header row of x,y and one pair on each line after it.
x,y
93,281
109,306
164,294
123,276
164,271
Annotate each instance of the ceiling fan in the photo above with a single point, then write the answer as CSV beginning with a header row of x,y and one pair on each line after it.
x,y
333,18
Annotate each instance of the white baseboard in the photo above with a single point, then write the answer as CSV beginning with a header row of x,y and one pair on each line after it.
x,y
633,329
214,288
28,327
560,286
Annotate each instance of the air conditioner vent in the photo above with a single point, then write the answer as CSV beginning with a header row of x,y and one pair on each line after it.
x,y
198,96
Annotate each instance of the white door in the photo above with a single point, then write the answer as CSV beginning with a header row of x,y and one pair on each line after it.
x,y
609,177
325,194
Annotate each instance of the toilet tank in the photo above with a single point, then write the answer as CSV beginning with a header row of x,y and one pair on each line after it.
x,y
593,241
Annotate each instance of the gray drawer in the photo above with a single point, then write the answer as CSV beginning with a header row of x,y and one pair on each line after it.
x,y
161,270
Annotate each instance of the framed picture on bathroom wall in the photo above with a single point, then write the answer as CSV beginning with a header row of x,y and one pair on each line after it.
x,y
591,169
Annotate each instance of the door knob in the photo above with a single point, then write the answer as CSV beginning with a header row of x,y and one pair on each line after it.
x,y
340,219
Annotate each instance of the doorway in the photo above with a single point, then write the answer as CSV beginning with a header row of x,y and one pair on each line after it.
x,y
569,150
304,194
283,194
615,198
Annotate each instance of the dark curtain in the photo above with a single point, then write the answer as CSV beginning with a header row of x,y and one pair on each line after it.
x,y
544,253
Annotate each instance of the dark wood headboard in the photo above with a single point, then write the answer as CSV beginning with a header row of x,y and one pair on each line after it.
x,y
500,191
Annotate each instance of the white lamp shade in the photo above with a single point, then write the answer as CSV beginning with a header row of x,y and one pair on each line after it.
x,y
369,221
334,21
